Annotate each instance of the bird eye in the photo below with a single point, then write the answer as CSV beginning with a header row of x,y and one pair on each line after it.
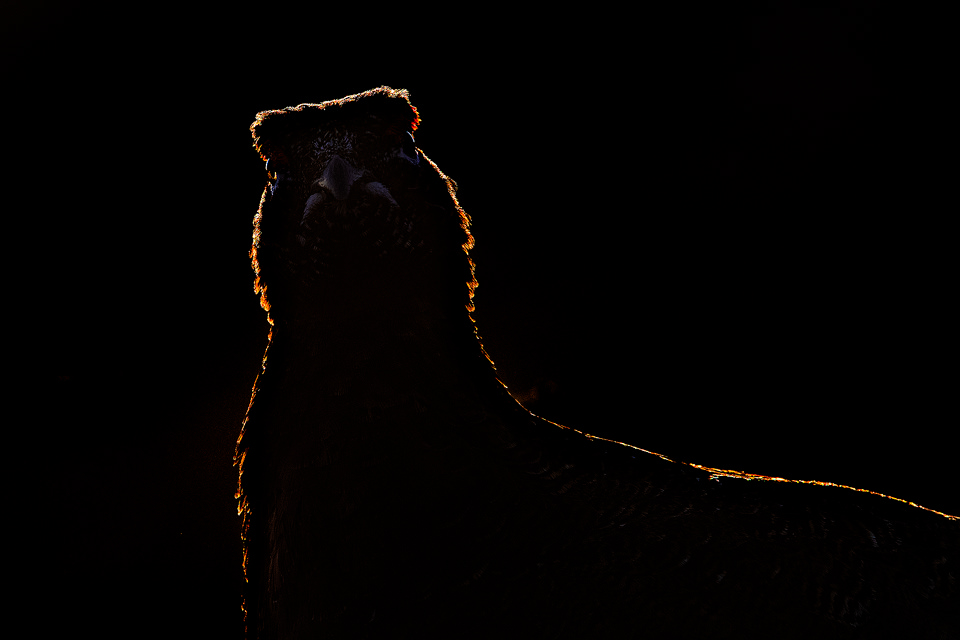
x,y
408,147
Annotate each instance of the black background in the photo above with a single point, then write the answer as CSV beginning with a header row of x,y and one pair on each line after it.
x,y
717,237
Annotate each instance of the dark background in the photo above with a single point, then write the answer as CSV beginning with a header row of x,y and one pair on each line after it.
x,y
717,237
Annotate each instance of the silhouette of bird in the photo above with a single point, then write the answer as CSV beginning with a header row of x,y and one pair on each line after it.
x,y
391,487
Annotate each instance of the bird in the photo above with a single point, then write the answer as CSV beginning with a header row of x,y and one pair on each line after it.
x,y
390,486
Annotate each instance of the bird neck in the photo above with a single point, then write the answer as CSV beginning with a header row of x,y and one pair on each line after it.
x,y
371,381
379,336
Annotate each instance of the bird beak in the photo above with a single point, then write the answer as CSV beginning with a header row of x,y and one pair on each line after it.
x,y
338,177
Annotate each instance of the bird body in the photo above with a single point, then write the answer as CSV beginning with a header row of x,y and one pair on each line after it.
x,y
391,487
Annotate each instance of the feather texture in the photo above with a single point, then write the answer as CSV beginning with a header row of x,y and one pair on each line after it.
x,y
391,487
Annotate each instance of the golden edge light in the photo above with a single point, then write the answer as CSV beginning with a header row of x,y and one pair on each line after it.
x,y
743,475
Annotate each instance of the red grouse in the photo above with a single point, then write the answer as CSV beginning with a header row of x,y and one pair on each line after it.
x,y
391,487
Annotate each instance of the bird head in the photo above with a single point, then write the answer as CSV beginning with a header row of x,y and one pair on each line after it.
x,y
352,204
